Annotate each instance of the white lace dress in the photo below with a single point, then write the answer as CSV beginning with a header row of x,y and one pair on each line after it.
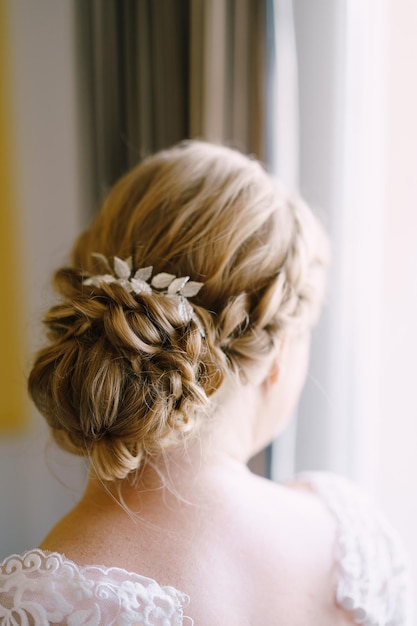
x,y
40,588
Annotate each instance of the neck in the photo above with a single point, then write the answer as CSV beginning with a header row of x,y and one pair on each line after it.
x,y
170,494
223,447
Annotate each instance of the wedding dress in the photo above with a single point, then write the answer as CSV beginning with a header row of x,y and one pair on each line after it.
x,y
39,588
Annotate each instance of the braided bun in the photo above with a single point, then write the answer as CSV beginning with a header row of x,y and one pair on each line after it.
x,y
123,376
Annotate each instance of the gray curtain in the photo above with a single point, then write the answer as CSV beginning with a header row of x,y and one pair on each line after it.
x,y
154,72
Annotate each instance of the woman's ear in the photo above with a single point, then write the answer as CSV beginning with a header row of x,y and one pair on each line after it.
x,y
274,372
272,376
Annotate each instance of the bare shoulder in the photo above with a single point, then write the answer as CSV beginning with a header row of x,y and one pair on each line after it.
x,y
285,537
296,529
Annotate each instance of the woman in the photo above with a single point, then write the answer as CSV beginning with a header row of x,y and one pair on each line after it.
x,y
178,350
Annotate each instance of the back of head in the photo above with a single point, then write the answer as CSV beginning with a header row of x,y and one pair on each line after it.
x,y
126,374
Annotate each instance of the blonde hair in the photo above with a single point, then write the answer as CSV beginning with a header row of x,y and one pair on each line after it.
x,y
123,377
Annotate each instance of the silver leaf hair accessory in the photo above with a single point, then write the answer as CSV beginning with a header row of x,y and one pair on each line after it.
x,y
176,288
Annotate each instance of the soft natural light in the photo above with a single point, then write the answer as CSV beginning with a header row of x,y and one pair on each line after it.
x,y
343,127
358,152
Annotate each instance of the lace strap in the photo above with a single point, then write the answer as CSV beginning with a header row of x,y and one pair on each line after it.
x,y
373,577
46,588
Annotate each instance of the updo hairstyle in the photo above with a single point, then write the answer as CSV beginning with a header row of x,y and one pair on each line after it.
x,y
123,377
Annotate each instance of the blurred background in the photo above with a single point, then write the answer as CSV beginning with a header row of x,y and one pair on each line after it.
x,y
325,93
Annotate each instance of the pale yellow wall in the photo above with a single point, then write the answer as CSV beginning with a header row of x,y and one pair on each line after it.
x,y
38,483
12,392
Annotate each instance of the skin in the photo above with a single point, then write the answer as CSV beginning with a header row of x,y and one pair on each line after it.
x,y
247,551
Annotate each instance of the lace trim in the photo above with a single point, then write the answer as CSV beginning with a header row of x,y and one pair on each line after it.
x,y
40,588
372,572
